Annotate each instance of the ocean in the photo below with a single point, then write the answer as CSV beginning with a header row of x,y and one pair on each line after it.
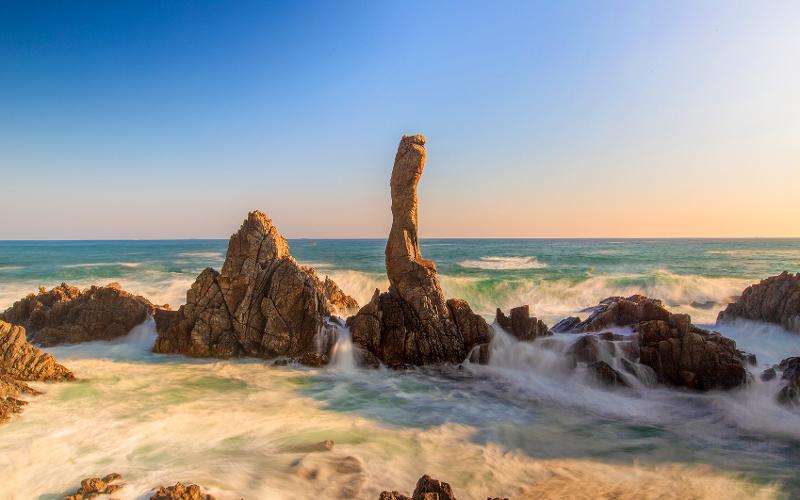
x,y
521,426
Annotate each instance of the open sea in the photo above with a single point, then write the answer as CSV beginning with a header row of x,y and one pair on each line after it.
x,y
522,426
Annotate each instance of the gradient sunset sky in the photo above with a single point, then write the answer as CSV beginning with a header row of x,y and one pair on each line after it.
x,y
544,119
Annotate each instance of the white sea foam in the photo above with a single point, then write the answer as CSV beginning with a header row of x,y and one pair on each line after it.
x,y
503,263
757,252
204,255
315,264
10,268
103,264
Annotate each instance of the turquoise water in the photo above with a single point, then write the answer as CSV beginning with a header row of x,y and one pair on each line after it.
x,y
521,426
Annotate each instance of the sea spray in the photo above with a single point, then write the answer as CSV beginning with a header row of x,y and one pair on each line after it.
x,y
343,352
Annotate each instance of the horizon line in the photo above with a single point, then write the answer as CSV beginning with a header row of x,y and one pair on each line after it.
x,y
367,238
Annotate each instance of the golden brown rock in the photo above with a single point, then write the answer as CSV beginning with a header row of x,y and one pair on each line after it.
x,y
94,486
68,315
412,323
181,491
261,304
521,324
774,300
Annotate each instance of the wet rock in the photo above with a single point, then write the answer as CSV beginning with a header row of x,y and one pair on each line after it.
x,y
679,353
181,491
20,360
412,323
69,315
768,374
566,324
790,373
94,486
427,489
261,304
393,495
774,300
521,325
603,372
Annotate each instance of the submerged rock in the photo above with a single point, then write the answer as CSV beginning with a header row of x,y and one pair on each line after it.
x,y
427,488
603,372
181,491
261,304
774,300
94,486
412,323
69,315
680,353
521,324
790,372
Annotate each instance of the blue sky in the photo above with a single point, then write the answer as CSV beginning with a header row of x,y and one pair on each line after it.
x,y
544,119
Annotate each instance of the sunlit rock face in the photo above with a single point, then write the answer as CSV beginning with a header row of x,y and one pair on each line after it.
x,y
774,300
68,315
413,323
261,304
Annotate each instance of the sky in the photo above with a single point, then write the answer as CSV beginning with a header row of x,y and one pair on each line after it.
x,y
544,119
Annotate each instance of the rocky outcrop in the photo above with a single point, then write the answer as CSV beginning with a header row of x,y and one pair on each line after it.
x,y
521,325
69,315
412,323
680,353
94,486
181,491
21,362
603,372
774,300
261,304
789,394
427,488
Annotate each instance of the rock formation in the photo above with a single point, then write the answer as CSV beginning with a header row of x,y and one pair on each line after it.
x,y
412,323
521,325
68,315
261,304
774,300
21,362
680,353
427,489
790,375
94,486
181,491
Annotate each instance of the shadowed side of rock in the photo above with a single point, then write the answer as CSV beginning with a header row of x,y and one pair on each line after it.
x,y
679,352
69,315
261,304
412,323
521,324
774,300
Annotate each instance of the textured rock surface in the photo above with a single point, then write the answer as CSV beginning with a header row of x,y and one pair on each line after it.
x,y
774,300
261,304
20,361
604,373
680,353
427,489
94,486
68,315
521,325
181,491
412,323
790,392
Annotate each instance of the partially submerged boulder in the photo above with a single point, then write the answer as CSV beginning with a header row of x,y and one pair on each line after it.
x,y
180,491
790,374
94,486
427,488
774,300
21,362
412,323
521,324
261,304
68,315
680,353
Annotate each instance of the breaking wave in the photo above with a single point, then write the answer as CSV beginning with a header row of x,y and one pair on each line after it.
x,y
203,255
103,264
503,263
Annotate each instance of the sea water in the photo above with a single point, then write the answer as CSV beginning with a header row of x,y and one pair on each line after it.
x,y
524,426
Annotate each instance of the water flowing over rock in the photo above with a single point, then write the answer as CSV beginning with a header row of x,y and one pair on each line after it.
x,y
774,300
20,361
69,315
94,486
521,324
181,491
680,353
790,373
261,304
427,488
412,323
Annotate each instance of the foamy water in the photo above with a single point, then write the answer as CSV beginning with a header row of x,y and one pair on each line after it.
x,y
524,426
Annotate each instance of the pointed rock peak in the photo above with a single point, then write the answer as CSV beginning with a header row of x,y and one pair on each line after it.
x,y
257,242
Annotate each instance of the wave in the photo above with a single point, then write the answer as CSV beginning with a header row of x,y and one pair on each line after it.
x,y
10,268
203,255
756,253
503,263
315,265
103,264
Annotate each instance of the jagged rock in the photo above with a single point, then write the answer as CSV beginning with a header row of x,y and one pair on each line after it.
x,y
774,300
427,489
261,304
412,323
22,361
69,315
768,374
790,393
521,325
566,324
680,353
94,486
181,491
603,372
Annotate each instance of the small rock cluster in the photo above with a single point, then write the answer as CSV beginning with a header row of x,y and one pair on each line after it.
x,y
94,486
